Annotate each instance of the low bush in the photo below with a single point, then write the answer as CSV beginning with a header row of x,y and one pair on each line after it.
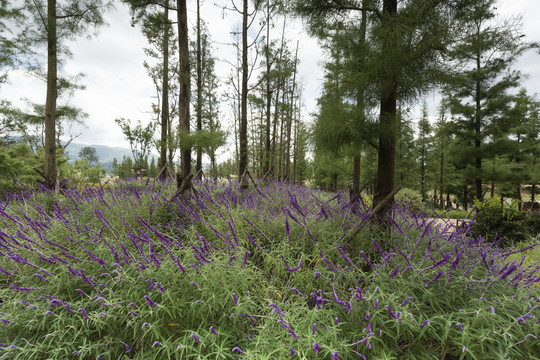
x,y
496,222
409,198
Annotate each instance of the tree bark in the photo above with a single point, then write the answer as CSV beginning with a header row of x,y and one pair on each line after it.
x,y
165,96
387,139
50,102
198,166
184,97
243,161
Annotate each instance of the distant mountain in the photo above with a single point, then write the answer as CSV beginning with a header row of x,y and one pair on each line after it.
x,y
106,154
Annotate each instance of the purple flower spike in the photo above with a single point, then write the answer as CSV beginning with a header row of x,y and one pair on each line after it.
x,y
292,352
235,299
5,321
194,337
335,355
463,349
313,328
128,348
336,320
145,324
459,326
424,323
236,348
316,347
194,283
156,343
150,301
213,331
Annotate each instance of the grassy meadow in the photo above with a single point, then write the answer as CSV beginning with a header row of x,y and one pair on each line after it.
x,y
119,272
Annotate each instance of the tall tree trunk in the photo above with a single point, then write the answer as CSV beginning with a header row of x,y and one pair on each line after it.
x,y
478,132
198,166
243,163
267,144
185,93
165,96
50,103
289,122
387,138
355,189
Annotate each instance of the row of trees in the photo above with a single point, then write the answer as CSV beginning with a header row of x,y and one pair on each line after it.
x,y
384,57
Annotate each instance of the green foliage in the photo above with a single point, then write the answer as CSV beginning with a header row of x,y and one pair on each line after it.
x,y
532,222
17,164
409,198
139,137
494,221
83,171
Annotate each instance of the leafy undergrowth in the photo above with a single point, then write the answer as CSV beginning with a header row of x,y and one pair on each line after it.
x,y
120,273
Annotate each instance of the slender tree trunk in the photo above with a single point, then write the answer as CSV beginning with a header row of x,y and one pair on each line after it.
x,y
50,103
243,163
198,166
185,93
478,133
267,147
289,123
165,96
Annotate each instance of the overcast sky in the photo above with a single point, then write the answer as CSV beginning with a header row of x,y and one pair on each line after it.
x,y
117,84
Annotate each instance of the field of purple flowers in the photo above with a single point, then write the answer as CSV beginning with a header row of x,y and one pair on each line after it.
x,y
118,272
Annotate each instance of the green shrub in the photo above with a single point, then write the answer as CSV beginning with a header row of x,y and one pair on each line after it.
x,y
494,221
409,198
532,222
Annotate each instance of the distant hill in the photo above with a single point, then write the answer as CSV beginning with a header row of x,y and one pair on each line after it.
x,y
106,154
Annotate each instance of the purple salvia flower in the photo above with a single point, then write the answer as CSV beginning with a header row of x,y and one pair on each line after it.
x,y
150,285
23,289
297,266
298,292
407,300
145,324
336,321
194,283
313,328
83,311
245,259
128,348
316,347
234,298
41,277
213,331
525,338
335,355
463,349
236,348
179,346
150,301
48,312
395,272
317,274
292,352
5,321
424,323
362,356
367,317
390,311
376,304
132,313
194,337
156,343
